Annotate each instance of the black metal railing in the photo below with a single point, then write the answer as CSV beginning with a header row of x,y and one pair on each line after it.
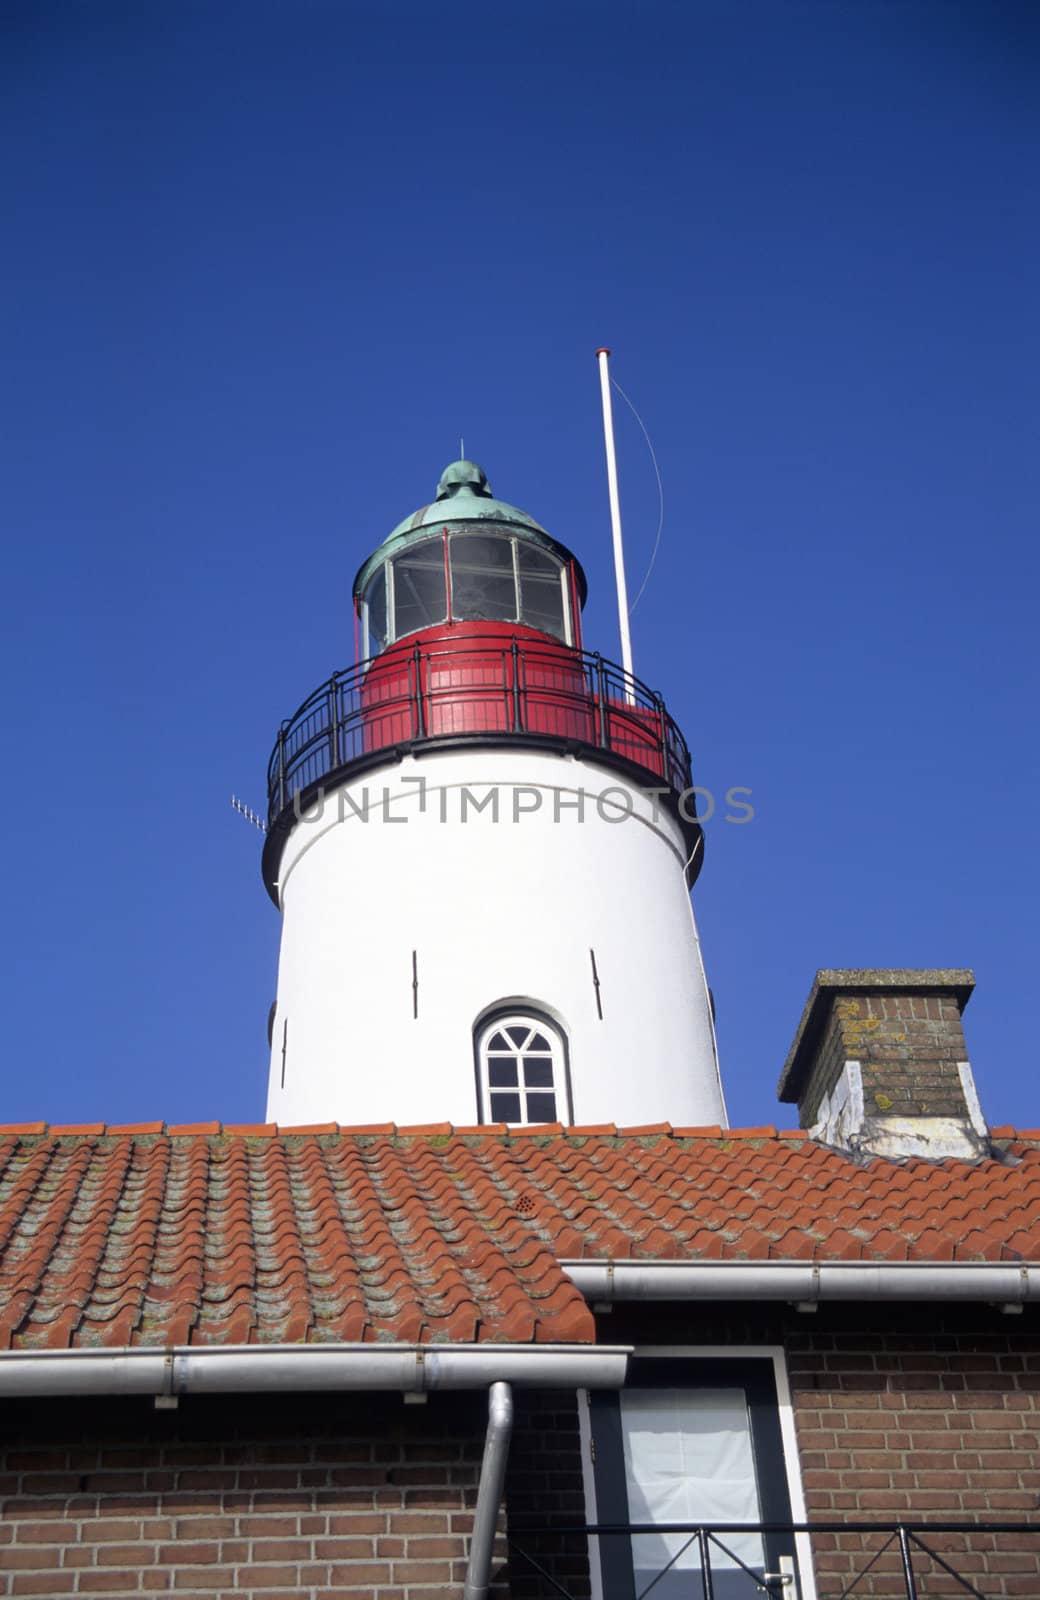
x,y
847,1560
468,690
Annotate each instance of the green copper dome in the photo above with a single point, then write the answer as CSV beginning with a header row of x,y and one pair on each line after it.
x,y
463,496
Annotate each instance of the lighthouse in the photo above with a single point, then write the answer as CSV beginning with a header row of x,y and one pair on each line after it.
x,y
482,841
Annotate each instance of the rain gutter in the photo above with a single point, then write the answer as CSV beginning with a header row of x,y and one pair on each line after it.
x,y
251,1369
806,1282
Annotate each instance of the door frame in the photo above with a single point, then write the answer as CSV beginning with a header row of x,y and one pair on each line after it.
x,y
788,1437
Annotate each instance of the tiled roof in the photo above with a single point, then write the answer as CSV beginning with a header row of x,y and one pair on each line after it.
x,y
155,1235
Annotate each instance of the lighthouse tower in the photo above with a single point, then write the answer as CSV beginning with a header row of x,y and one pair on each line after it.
x,y
482,841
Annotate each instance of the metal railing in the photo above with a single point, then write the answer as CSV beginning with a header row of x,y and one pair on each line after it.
x,y
468,690
847,1560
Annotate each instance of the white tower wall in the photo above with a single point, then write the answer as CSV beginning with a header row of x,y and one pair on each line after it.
x,y
401,931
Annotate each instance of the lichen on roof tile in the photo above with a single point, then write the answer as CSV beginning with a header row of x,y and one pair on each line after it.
x,y
214,1236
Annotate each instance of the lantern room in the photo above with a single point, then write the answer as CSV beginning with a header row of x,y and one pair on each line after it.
x,y
467,557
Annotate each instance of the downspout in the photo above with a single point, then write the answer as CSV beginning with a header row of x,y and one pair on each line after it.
x,y
489,1492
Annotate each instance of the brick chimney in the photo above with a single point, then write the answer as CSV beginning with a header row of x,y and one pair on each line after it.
x,y
879,1065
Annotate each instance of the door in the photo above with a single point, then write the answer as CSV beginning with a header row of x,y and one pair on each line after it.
x,y
692,1440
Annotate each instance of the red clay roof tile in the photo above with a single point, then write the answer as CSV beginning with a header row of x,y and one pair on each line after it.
x,y
383,1233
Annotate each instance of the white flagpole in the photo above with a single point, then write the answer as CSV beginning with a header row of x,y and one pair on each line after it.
x,y
602,357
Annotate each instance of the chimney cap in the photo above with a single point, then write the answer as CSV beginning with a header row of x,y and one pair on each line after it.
x,y
830,982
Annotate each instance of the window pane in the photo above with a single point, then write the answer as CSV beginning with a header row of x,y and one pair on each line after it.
x,y
688,1458
419,589
482,583
522,1070
541,594
374,600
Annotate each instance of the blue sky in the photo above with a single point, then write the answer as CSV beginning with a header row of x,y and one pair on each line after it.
x,y
265,263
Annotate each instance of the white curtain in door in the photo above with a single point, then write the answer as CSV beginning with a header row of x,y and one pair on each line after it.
x,y
688,1458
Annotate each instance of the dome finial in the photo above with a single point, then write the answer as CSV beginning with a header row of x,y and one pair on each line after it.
x,y
463,477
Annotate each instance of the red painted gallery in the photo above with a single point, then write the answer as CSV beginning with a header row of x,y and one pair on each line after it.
x,y
528,1324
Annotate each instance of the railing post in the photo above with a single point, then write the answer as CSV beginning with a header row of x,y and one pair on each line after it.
x,y
908,1566
662,734
518,710
281,770
706,1583
601,703
333,702
417,703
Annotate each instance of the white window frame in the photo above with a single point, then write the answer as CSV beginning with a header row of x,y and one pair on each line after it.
x,y
788,1437
534,1018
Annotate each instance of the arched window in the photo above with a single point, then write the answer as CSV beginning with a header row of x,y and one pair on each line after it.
x,y
522,1069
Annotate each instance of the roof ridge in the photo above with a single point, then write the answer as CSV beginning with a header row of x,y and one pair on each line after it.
x,y
495,1131
393,1130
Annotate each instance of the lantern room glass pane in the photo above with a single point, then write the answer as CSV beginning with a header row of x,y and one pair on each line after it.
x,y
483,584
541,590
374,614
420,595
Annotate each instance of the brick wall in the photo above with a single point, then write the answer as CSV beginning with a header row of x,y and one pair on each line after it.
x,y
544,1485
266,1498
934,1417
827,1068
908,1046
906,1413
